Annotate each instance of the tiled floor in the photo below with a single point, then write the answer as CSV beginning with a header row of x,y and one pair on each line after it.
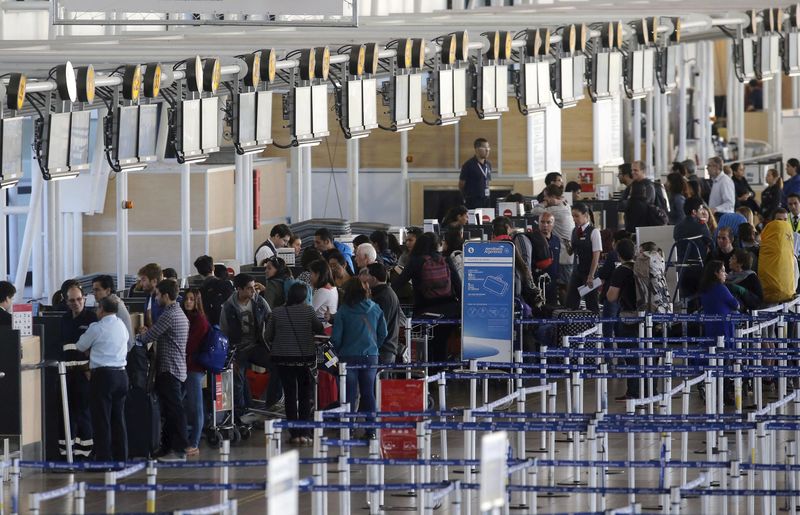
x,y
647,446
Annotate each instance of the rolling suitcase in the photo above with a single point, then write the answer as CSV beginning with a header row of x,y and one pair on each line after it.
x,y
143,422
572,329
327,390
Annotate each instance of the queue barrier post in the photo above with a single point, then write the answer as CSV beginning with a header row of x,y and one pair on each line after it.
x,y
675,500
317,499
469,454
80,499
543,398
631,410
373,478
442,385
723,480
224,454
648,332
421,469
152,471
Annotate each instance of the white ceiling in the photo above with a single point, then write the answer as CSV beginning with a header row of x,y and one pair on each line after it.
x,y
180,43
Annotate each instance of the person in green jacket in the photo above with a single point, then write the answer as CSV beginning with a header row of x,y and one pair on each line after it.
x,y
358,331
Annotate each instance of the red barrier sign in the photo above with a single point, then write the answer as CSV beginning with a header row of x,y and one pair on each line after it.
x,y
401,395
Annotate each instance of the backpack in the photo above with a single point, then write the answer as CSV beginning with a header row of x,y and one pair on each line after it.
x,y
215,292
434,280
652,293
656,215
661,196
213,351
541,257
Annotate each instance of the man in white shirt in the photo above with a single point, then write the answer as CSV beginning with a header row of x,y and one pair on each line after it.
x,y
278,238
107,343
365,255
723,191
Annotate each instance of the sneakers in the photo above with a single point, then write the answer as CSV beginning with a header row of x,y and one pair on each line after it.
x,y
192,451
172,457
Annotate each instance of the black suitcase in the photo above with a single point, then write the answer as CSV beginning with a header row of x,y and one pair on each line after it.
x,y
143,421
575,328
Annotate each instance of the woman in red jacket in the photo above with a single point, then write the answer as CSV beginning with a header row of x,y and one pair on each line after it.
x,y
195,373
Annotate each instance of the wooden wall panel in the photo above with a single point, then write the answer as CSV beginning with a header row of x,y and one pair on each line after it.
x,y
432,147
756,126
273,196
515,140
576,132
220,203
100,254
222,246
157,203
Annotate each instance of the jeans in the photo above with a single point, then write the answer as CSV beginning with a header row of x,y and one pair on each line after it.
x,y
108,390
170,398
361,383
193,406
610,310
299,395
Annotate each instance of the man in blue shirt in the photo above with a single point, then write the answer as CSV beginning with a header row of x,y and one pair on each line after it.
x,y
476,175
107,342
792,184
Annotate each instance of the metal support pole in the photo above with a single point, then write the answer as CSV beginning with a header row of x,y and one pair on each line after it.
x,y
530,139
649,158
32,233
683,78
404,209
3,233
308,193
637,129
186,226
658,140
296,184
240,216
352,176
151,480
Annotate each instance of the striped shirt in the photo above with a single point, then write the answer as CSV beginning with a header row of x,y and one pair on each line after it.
x,y
291,331
170,333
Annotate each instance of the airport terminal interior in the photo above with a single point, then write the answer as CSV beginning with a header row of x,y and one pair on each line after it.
x,y
387,256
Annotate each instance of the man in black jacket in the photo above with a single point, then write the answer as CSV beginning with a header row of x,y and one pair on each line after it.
x,y
382,294
7,292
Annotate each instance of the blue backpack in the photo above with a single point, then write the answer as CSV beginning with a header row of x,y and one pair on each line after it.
x,y
214,351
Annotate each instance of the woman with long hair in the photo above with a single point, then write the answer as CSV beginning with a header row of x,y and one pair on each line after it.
x,y
277,273
325,300
678,190
716,299
291,330
456,218
380,240
772,196
358,332
195,373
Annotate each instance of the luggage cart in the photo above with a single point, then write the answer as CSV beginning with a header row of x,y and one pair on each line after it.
x,y
221,388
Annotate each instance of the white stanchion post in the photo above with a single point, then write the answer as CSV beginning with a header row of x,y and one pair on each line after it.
x,y
317,499
152,471
15,486
473,387
519,498
648,333
343,382
6,454
33,504
110,480
421,469
736,479
791,460
710,411
543,398
737,388
751,474
551,443
224,455
323,452
443,433
455,503
534,481
684,435
80,499
630,409
3,472
62,377
469,454
675,500
642,361
666,438
344,482
373,499
723,481
764,458
591,436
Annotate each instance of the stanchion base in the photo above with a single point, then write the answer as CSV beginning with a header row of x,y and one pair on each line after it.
x,y
519,507
389,509
658,508
614,472
573,483
536,451
406,495
551,495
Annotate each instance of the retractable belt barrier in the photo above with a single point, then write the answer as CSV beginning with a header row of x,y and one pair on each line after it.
x,y
762,450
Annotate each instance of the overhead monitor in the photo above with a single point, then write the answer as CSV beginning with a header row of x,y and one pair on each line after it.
x,y
301,114
791,53
190,129
11,141
607,73
127,144
149,116
665,68
209,124
79,141
264,117
58,144
245,135
769,56
567,76
534,86
319,111
407,102
744,56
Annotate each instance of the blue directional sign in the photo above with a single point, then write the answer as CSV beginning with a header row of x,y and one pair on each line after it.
x,y
487,307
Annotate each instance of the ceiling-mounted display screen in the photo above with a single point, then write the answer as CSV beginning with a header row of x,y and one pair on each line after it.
x,y
58,142
247,119
148,132
190,127
11,172
209,125
264,118
128,135
79,141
